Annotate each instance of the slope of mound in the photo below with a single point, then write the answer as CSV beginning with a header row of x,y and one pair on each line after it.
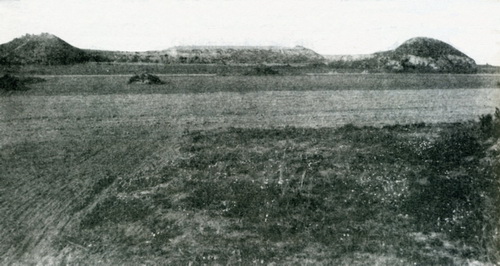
x,y
427,47
45,49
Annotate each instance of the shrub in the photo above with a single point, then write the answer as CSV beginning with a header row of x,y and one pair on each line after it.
x,y
262,70
145,78
486,123
490,124
12,83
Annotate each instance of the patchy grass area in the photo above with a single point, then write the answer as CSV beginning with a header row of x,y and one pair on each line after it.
x,y
424,194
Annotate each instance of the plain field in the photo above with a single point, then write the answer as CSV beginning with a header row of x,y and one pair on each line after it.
x,y
117,84
25,117
72,146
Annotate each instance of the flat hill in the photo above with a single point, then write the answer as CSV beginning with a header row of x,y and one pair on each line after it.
x,y
246,54
215,55
420,54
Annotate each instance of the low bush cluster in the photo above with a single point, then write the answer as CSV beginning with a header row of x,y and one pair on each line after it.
x,y
12,83
262,70
145,78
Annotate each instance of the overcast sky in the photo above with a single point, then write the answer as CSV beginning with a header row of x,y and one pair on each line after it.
x,y
326,26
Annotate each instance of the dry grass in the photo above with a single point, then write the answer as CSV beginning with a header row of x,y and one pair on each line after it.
x,y
289,195
163,178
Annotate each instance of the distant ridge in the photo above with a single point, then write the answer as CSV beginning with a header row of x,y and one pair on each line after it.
x,y
215,55
419,54
236,47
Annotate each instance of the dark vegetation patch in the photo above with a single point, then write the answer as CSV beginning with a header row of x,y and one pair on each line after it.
x,y
13,83
262,70
403,194
145,78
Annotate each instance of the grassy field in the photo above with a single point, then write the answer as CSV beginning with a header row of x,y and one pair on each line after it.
x,y
152,194
45,117
117,84
293,170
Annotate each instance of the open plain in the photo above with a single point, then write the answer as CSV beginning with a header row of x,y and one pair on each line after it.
x,y
328,169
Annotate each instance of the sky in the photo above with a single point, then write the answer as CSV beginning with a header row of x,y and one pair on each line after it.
x,y
326,26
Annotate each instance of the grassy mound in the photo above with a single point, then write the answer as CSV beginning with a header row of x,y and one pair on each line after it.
x,y
43,49
427,47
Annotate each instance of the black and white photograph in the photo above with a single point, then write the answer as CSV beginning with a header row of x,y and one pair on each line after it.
x,y
250,132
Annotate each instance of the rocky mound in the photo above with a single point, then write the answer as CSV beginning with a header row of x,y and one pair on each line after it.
x,y
419,55
145,78
429,55
44,49
427,47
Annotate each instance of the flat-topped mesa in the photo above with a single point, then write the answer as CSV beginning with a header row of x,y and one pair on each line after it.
x,y
242,54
